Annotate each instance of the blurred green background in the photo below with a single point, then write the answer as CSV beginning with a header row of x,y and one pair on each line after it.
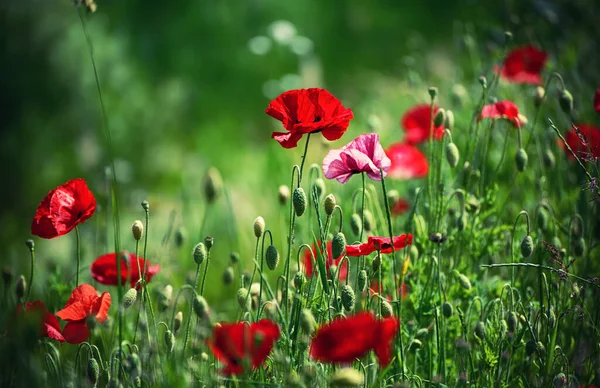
x,y
186,85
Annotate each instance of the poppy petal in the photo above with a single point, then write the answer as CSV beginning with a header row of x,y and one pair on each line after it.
x,y
101,307
76,332
407,162
597,101
417,124
383,346
524,65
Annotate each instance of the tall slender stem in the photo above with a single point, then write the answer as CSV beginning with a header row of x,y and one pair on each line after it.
x,y
32,255
189,322
78,255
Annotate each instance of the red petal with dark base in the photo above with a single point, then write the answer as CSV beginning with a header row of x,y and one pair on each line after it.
x,y
104,269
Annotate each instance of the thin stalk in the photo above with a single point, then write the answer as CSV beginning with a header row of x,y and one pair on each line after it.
x,y
205,272
189,322
32,255
78,256
551,269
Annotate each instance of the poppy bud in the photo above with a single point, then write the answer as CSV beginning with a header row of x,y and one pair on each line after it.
x,y
452,154
209,242
559,381
299,280
199,253
299,201
329,204
93,371
480,330
422,333
30,244
440,117
432,92
449,123
272,257
527,246
259,226
20,287
200,306
461,222
213,185
548,159
307,321
348,298
540,349
355,224
243,299
129,298
319,186
579,247
538,97
137,229
521,159
283,193
180,236
228,275
386,309
362,280
338,245
146,205
447,309
565,100
234,258
369,221
346,377
376,263
512,321
542,219
177,321
169,341
464,281
483,82
415,345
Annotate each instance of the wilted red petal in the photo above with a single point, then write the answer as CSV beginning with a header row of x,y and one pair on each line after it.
x,y
76,332
63,208
597,101
51,328
386,332
502,110
591,134
524,65
408,162
417,125
104,269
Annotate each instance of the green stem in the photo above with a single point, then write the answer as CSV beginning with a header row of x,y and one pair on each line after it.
x,y
78,256
32,255
551,269
205,272
189,322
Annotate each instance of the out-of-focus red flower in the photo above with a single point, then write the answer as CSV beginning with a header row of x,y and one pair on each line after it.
x,y
363,154
400,207
584,144
597,101
237,343
381,244
417,124
49,326
308,111
63,209
104,269
345,339
84,303
375,287
524,65
309,270
501,110
408,162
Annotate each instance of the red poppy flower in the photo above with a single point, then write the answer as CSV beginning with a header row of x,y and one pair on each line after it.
x,y
63,209
375,287
400,207
417,124
408,162
308,264
524,65
84,303
381,244
586,146
49,326
308,111
597,101
345,339
104,269
501,110
234,343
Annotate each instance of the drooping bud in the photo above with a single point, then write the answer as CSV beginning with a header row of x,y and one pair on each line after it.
x,y
362,280
538,97
521,159
447,309
348,298
483,82
355,224
283,193
200,306
548,159
169,341
369,223
338,245
464,281
213,184
579,247
272,257
329,204
432,92
319,186
146,205
177,321
307,321
440,117
480,330
449,120
93,371
180,236
452,154
243,299
416,344
565,100
346,377
386,309
199,253
20,287
542,219
228,275
299,201
30,245
527,246
129,298
137,229
259,226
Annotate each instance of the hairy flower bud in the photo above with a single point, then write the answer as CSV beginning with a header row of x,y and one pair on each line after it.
x,y
272,257
259,226
243,299
369,223
137,229
234,258
393,197
213,184
464,281
329,204
559,381
307,321
299,201
146,205
447,309
440,118
542,219
548,159
346,377
199,253
169,341
299,280
362,280
177,321
416,344
480,330
228,275
449,123
200,306
565,100
129,298
386,309
318,186
93,371
338,245
283,194
20,287
355,224
348,298
452,154
521,159
512,321
376,263
527,246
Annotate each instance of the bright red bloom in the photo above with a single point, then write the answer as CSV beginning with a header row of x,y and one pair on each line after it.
x,y
417,124
49,326
233,343
381,244
400,207
408,162
308,111
104,269
308,264
585,146
597,101
84,303
345,339
63,209
501,110
524,65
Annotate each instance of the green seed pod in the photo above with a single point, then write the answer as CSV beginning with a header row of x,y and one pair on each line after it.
x,y
169,341
461,222
559,381
346,377
447,309
199,253
480,330
136,365
93,371
299,201
307,321
369,221
386,309
299,280
565,100
483,82
259,226
512,321
177,321
548,159
319,186
283,194
20,287
449,120
579,247
129,298
433,92
527,246
228,275
200,306
422,333
243,299
213,184
272,257
329,204
362,280
452,154
538,97
521,159
338,245
416,345
30,245
137,229
355,224
348,298
542,219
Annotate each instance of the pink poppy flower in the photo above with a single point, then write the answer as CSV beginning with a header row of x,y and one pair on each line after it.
x,y
408,162
363,154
